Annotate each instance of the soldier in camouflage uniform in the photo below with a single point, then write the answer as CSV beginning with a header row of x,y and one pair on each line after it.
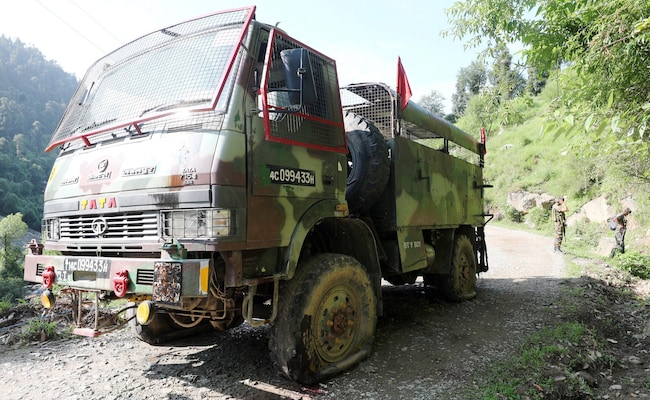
x,y
621,227
559,217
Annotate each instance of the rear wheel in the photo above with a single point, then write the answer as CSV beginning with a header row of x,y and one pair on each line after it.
x,y
460,283
326,319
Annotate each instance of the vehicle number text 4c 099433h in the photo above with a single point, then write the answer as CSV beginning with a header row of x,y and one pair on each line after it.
x,y
292,176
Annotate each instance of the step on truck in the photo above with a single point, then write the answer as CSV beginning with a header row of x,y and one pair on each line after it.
x,y
213,173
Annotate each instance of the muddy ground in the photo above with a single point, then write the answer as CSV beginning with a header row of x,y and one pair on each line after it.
x,y
425,348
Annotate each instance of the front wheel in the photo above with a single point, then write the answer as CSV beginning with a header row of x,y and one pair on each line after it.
x,y
326,319
164,326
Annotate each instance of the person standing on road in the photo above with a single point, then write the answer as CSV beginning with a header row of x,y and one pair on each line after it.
x,y
559,217
621,227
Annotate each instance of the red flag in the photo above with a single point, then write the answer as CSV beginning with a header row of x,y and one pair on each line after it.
x,y
403,87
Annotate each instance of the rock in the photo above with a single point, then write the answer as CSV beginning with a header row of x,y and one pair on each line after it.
x,y
634,360
616,387
587,377
524,201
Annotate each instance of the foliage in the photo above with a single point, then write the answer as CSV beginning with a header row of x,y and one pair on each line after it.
x,y
634,262
540,219
506,381
33,96
11,288
471,81
5,304
507,83
39,329
604,43
12,227
514,215
586,232
433,102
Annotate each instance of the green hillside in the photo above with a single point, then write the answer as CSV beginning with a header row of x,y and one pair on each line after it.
x,y
548,152
34,93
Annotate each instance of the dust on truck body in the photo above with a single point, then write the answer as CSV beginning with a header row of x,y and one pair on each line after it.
x,y
210,173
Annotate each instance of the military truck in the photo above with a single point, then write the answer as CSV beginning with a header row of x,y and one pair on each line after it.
x,y
214,172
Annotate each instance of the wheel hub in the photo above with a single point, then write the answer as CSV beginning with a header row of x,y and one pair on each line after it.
x,y
336,323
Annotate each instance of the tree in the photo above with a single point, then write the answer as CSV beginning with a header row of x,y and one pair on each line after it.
x,y
33,97
12,228
434,103
507,83
536,80
471,81
604,42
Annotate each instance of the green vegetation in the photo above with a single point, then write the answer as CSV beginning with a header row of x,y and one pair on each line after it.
x,y
40,329
580,129
578,125
635,263
549,346
12,285
33,95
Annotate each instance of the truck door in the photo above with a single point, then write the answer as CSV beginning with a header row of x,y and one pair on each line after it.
x,y
297,141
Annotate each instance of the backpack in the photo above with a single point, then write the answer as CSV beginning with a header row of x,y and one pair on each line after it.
x,y
612,223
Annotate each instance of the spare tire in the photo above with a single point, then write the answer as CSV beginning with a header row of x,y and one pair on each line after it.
x,y
368,163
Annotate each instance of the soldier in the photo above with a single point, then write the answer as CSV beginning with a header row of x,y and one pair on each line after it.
x,y
559,217
621,228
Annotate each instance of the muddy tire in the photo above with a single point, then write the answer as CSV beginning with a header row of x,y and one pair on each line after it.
x,y
460,283
368,163
152,333
326,319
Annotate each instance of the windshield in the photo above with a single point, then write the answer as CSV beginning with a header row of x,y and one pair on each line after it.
x,y
183,66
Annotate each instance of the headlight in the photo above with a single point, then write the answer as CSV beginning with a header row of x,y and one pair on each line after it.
x,y
203,223
51,229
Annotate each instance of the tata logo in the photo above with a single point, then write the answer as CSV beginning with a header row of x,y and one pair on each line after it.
x,y
99,226
102,172
97,204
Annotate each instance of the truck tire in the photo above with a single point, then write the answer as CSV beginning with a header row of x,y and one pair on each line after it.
x,y
152,333
162,328
326,319
368,163
460,283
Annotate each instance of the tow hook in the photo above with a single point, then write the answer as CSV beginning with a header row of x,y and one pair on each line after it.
x,y
121,283
48,277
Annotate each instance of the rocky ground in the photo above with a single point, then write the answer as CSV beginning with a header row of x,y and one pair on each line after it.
x,y
425,348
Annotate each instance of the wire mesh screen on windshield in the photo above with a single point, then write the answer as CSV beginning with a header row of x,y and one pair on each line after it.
x,y
182,66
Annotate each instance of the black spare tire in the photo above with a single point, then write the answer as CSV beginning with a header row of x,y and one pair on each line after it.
x,y
368,163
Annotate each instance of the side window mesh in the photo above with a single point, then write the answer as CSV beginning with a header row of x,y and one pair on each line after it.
x,y
318,123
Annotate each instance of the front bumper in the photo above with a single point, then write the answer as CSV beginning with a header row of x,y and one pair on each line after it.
x,y
165,280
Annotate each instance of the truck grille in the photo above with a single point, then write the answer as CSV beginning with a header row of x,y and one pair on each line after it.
x,y
123,226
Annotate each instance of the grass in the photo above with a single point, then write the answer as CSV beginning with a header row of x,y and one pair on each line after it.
x,y
40,329
526,374
5,305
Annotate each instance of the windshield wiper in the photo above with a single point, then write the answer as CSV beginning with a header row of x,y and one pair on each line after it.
x,y
169,105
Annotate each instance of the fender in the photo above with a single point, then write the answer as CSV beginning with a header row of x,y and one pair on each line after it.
x,y
349,236
316,213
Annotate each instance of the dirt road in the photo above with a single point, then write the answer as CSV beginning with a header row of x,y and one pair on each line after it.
x,y
425,348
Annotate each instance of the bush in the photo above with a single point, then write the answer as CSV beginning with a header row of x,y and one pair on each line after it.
x,y
586,232
11,289
635,263
39,329
514,215
540,219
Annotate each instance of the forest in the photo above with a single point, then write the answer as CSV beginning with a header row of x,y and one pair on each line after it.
x,y
34,93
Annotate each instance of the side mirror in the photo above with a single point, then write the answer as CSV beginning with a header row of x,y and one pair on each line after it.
x,y
299,77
